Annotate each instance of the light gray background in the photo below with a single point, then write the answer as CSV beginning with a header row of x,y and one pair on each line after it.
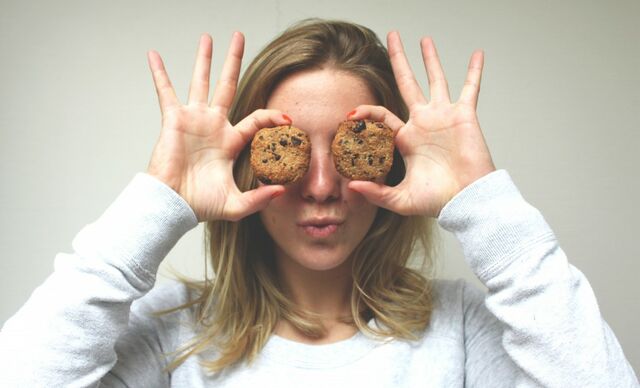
x,y
559,110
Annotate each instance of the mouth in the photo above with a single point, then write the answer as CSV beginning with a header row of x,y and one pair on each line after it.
x,y
320,231
320,228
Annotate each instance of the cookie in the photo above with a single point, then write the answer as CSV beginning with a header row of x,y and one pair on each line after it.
x,y
363,149
280,155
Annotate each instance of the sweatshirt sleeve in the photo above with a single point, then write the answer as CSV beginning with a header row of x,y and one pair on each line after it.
x,y
552,331
65,334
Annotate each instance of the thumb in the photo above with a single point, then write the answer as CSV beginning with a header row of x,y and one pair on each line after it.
x,y
249,202
379,195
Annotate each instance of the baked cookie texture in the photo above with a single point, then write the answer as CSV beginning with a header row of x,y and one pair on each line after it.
x,y
363,149
280,155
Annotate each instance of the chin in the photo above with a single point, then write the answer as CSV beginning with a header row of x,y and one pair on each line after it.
x,y
319,259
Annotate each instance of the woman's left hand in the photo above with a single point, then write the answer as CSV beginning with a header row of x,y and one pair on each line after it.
x,y
442,144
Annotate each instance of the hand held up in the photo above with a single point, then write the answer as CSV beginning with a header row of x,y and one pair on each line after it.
x,y
197,147
442,144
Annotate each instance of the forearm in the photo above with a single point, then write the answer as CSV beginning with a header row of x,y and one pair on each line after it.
x,y
553,330
65,334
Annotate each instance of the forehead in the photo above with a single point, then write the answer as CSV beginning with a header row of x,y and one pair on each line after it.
x,y
320,94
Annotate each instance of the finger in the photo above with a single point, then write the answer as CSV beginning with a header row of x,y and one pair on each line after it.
x,y
471,88
409,88
166,95
226,86
199,88
379,195
261,118
438,87
377,113
251,201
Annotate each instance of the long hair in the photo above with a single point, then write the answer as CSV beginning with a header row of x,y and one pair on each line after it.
x,y
237,309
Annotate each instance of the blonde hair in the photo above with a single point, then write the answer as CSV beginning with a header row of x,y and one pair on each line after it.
x,y
237,310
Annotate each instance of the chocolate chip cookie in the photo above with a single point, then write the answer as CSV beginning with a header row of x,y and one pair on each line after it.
x,y
280,155
363,149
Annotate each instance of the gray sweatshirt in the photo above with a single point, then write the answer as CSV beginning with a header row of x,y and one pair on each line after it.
x,y
539,324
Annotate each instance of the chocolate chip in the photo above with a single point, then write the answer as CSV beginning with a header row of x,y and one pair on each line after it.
x,y
360,141
283,142
276,156
360,126
266,180
261,137
370,161
295,141
381,160
264,160
379,125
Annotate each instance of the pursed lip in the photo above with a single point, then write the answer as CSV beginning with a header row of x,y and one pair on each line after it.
x,y
320,227
321,221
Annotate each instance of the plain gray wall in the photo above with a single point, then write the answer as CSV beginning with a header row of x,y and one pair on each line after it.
x,y
558,107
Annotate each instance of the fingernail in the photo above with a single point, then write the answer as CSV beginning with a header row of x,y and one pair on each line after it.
x,y
351,113
286,117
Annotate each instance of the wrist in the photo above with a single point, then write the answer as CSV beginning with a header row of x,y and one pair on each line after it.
x,y
167,179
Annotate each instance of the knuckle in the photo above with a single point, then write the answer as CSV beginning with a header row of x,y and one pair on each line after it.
x,y
271,112
438,79
255,122
227,83
388,117
384,111
202,78
231,213
471,83
407,77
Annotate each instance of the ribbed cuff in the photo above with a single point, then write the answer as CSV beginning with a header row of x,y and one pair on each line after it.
x,y
493,223
139,229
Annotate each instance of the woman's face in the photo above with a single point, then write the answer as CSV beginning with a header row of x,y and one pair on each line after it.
x,y
318,221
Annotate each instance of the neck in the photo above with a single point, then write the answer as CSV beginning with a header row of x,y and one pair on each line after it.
x,y
326,293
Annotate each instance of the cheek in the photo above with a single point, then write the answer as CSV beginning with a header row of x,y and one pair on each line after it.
x,y
352,199
361,209
277,212
268,214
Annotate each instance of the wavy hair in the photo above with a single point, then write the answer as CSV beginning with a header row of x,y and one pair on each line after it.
x,y
237,309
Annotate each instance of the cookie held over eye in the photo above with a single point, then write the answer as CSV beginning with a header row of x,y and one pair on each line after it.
x,y
280,155
363,149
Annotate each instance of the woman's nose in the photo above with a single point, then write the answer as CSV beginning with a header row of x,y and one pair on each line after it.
x,y
322,182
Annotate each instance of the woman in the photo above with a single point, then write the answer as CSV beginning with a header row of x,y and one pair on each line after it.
x,y
311,284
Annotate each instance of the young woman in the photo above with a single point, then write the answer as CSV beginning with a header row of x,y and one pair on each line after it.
x,y
312,285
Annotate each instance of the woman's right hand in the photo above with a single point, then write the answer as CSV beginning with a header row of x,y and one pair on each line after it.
x,y
198,145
